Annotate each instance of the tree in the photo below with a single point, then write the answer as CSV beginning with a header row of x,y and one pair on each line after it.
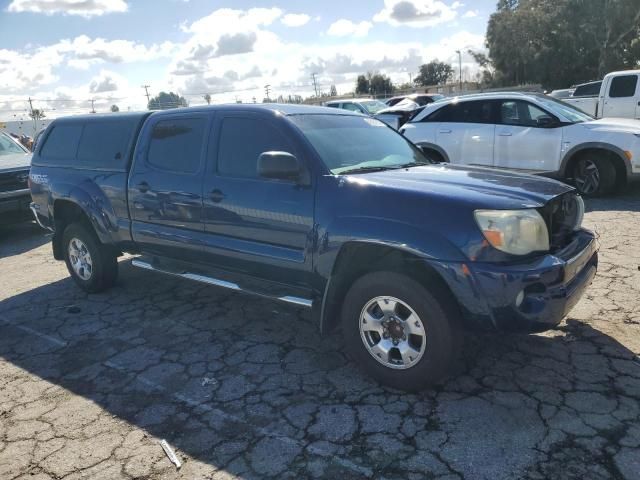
x,y
333,91
207,98
362,85
562,42
165,101
37,114
380,84
115,108
485,76
434,73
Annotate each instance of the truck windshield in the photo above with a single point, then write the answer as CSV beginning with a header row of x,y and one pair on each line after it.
x,y
564,110
8,146
352,144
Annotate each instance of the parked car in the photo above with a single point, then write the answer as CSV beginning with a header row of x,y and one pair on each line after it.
x,y
531,133
419,98
617,95
400,113
366,106
15,162
320,208
562,94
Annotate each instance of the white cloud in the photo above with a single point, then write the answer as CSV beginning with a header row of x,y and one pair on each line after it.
x,y
416,13
106,81
344,28
295,19
85,8
470,14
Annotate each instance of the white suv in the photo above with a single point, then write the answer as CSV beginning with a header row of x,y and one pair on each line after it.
x,y
533,133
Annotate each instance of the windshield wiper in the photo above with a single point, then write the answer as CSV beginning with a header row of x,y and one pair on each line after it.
x,y
382,169
367,169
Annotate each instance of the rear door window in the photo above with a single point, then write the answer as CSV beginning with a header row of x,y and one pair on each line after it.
x,y
623,86
62,143
176,145
587,90
105,144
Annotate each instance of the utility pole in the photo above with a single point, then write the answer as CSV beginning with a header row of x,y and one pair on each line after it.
x,y
93,110
460,67
266,91
315,83
35,122
146,89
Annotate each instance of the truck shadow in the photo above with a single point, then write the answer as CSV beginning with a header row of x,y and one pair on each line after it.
x,y
626,200
20,238
218,374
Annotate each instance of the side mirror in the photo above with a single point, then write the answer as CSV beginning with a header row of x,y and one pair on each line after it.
x,y
279,166
545,121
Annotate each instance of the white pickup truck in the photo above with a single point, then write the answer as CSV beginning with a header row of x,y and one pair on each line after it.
x,y
617,95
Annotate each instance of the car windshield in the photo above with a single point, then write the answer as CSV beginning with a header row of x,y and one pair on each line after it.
x,y
351,144
8,146
564,110
373,106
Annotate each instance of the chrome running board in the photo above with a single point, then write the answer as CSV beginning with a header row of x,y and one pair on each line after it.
x,y
303,302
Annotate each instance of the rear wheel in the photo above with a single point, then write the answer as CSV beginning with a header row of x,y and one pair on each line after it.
x,y
594,176
399,332
92,265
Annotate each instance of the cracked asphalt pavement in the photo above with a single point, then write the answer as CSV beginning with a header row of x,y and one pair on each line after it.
x,y
242,387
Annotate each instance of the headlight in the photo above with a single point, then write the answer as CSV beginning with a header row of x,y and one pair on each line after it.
x,y
579,213
514,231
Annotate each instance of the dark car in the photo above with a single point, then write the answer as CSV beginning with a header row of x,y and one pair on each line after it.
x,y
322,209
15,161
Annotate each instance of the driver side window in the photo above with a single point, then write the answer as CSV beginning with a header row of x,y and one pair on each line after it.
x,y
519,113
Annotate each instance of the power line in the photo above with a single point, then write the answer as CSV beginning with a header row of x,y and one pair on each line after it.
x,y
315,83
266,91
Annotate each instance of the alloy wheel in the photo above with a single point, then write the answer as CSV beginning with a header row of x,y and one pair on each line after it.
x,y
392,332
587,177
80,259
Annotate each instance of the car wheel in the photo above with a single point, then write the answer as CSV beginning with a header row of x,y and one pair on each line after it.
x,y
399,332
594,176
92,265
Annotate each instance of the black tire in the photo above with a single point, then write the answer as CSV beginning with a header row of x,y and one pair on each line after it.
x,y
443,336
594,177
104,262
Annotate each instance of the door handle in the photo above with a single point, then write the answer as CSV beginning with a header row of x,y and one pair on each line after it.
x,y
444,131
143,187
216,196
505,134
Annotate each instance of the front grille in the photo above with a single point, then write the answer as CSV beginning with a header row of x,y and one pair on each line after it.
x,y
10,181
562,214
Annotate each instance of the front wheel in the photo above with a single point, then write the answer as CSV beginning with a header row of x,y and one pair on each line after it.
x,y
399,332
594,176
92,265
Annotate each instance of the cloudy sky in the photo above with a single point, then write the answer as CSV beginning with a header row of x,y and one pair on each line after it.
x,y
62,53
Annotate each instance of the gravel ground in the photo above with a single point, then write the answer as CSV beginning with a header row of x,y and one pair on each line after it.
x,y
245,388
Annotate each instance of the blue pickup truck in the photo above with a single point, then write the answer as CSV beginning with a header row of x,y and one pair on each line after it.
x,y
319,208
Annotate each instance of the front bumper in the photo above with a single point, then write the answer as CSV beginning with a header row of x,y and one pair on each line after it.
x,y
14,207
527,297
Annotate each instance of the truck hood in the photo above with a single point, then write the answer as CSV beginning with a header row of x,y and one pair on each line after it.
x,y
15,161
618,125
480,187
